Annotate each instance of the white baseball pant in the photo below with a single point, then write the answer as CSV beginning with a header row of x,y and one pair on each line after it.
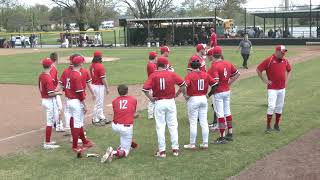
x,y
76,111
166,114
125,136
150,108
222,104
198,108
59,102
51,110
67,113
99,91
275,101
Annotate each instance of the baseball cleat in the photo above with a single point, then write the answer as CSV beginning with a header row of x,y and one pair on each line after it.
x,y
107,156
276,128
204,146
50,146
161,154
89,144
229,137
268,130
51,142
220,140
190,146
134,145
79,151
175,152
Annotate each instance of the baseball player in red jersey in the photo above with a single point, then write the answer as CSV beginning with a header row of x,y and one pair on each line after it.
x,y
151,67
278,71
124,112
100,86
214,125
227,74
75,95
201,52
49,103
197,83
213,38
162,83
54,75
165,51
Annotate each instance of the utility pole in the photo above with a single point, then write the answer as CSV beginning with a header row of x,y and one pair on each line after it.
x,y
62,26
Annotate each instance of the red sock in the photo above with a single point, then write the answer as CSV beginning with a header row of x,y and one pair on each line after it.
x,y
269,118
120,153
229,122
278,116
82,136
48,133
222,125
75,137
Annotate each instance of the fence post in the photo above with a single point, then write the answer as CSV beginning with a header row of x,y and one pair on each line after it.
x,y
40,40
245,20
115,38
310,19
102,38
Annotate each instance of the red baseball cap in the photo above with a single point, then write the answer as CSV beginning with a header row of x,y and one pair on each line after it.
x,y
97,54
210,52
153,54
217,50
77,60
164,49
281,48
212,29
47,62
195,58
162,60
200,47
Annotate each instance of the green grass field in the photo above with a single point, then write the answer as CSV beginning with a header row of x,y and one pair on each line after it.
x,y
130,69
219,162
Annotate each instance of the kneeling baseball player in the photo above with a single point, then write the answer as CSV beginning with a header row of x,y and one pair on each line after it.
x,y
124,110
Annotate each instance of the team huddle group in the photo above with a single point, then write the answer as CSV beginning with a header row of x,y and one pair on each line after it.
x,y
159,88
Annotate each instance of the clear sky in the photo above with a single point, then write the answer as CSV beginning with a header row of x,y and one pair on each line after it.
x,y
250,4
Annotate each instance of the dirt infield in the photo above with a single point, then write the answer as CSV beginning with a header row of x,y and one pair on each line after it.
x,y
299,160
22,122
13,51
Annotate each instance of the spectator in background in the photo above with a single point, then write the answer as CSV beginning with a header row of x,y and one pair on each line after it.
x,y
245,46
203,36
31,40
23,41
270,33
13,41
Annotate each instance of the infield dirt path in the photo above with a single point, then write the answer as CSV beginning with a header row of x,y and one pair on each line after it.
x,y
22,128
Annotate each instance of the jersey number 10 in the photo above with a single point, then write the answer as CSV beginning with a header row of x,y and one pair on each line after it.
x,y
200,84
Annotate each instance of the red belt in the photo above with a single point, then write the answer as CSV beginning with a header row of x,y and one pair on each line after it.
x,y
125,125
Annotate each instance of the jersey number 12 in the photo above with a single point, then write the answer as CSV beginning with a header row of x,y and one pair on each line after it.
x,y
123,104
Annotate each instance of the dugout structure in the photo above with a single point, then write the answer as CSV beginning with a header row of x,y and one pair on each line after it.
x,y
168,31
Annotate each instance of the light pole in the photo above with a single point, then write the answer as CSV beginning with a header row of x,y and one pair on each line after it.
x,y
62,26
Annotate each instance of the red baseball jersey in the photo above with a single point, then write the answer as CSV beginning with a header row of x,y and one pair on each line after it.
x,y
276,70
213,40
198,82
163,84
222,71
97,72
124,108
74,88
45,85
54,75
151,68
202,61
85,77
65,75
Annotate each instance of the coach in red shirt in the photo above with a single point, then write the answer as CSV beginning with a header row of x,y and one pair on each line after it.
x,y
278,71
